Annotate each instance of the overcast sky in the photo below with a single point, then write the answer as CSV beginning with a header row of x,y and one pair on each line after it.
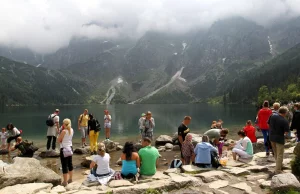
x,y
46,25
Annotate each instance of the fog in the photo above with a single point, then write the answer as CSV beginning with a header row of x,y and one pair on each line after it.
x,y
47,25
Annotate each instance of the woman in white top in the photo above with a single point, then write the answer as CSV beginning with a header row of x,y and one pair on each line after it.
x,y
65,140
13,132
107,124
102,160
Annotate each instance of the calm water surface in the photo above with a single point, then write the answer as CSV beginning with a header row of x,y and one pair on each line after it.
x,y
125,117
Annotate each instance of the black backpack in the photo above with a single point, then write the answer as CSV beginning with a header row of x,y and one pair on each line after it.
x,y
215,160
98,126
50,121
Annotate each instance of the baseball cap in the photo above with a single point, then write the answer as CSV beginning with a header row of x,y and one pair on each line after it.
x,y
57,110
143,114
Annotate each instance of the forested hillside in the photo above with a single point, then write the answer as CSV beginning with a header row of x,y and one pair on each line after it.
x,y
277,80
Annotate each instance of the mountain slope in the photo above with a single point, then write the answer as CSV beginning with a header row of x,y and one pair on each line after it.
x,y
275,74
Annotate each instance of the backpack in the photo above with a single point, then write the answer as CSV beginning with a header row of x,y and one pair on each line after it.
x,y
29,147
215,160
50,121
98,126
176,163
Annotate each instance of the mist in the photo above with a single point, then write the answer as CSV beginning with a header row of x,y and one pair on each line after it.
x,y
44,26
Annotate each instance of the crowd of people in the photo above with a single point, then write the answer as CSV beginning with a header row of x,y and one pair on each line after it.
x,y
275,124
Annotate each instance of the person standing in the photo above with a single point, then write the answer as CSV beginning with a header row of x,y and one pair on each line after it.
x,y
83,126
148,158
53,129
148,126
187,150
250,131
296,120
140,123
3,135
279,127
183,130
107,124
93,131
262,117
65,140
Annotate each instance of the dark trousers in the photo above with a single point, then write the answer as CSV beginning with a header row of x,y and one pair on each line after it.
x,y
66,162
12,138
53,138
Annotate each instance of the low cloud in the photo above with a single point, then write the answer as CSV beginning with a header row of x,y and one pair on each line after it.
x,y
47,25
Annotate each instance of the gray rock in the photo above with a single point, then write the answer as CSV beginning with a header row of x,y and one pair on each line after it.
x,y
81,151
242,186
49,154
119,183
259,146
73,186
138,146
257,168
284,182
86,162
172,170
58,189
256,177
211,176
264,184
218,184
194,169
162,149
119,147
110,146
237,171
183,180
176,148
27,170
169,146
163,139
90,184
26,188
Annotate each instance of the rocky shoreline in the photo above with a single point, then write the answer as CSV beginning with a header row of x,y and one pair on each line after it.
x,y
27,175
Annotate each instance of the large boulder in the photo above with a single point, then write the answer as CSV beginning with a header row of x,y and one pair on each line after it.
x,y
3,152
26,188
110,146
259,146
85,150
86,162
169,146
49,154
285,182
27,170
197,138
163,139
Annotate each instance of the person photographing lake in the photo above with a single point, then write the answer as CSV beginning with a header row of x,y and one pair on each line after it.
x,y
107,124
148,126
83,126
183,130
53,129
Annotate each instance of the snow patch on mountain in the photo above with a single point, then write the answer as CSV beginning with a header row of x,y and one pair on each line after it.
x,y
184,45
38,65
120,80
271,46
175,54
75,91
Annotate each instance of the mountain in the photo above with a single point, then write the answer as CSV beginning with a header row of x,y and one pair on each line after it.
x,y
279,77
25,84
157,68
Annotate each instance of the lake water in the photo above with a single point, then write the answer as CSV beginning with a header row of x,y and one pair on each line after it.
x,y
125,117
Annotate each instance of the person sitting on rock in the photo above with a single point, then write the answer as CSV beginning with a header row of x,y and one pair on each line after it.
x,y
203,153
250,131
102,161
243,148
187,150
24,148
130,161
148,158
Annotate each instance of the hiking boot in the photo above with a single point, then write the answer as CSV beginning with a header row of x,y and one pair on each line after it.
x,y
64,184
70,181
267,154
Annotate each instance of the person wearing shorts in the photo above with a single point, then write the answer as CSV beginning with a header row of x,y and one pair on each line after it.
x,y
3,135
107,124
14,134
140,123
83,126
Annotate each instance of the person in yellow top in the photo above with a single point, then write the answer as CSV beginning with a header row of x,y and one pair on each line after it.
x,y
83,126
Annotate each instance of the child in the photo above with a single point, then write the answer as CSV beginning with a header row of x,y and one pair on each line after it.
x,y
188,150
3,135
213,125
249,129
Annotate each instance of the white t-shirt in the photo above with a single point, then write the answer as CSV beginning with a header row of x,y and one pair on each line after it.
x,y
15,132
107,119
52,130
102,164
3,135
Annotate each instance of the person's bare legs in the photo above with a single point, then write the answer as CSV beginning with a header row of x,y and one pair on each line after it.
x,y
234,156
65,181
83,141
107,133
70,176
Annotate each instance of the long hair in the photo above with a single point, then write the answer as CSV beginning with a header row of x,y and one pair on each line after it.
x,y
10,126
101,149
67,125
128,149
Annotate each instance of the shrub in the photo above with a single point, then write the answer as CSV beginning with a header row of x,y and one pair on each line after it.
x,y
295,165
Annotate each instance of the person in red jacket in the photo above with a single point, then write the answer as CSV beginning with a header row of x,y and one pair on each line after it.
x,y
263,117
250,131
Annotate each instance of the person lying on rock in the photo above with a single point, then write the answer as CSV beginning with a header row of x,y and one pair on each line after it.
x,y
24,148
203,154
130,161
102,161
243,148
148,158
